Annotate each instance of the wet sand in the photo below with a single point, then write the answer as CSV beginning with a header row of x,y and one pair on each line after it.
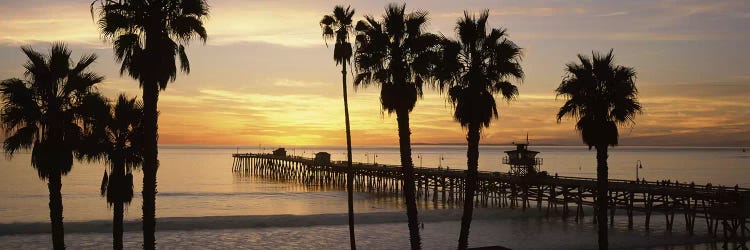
x,y
510,228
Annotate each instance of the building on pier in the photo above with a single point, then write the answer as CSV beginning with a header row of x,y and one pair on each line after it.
x,y
323,158
523,161
280,152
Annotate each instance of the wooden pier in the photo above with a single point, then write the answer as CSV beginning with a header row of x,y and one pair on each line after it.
x,y
554,195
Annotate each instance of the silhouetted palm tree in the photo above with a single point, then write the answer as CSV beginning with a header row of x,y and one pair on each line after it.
x,y
113,135
41,114
397,54
338,26
474,68
600,95
148,35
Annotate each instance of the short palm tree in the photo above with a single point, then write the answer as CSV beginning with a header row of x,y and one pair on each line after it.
x,y
473,70
41,114
147,36
601,95
338,26
113,135
397,55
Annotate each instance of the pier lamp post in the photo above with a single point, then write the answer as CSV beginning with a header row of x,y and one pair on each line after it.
x,y
638,165
374,159
420,159
440,160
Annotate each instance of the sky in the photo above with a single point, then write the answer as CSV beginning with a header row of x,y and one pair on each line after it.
x,y
265,76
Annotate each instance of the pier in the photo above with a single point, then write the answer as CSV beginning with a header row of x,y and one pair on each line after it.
x,y
723,210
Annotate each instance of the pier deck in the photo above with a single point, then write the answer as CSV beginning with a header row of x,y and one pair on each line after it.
x,y
554,195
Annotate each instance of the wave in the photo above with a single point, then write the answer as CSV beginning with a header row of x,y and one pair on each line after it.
x,y
206,194
190,194
250,194
263,221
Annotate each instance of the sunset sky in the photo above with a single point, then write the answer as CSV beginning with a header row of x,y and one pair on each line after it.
x,y
266,77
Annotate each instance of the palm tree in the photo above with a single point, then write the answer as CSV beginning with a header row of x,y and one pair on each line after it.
x,y
147,36
397,54
338,26
41,114
473,69
113,135
601,96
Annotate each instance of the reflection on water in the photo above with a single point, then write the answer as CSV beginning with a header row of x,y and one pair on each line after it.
x,y
198,181
513,233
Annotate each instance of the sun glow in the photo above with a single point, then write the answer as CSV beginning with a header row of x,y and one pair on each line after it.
x,y
265,75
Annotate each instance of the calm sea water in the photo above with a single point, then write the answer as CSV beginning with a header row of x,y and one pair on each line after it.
x,y
197,181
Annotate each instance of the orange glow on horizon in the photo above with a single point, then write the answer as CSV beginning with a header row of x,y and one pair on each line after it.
x,y
265,75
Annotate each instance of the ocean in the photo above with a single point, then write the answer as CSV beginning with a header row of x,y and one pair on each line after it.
x,y
195,183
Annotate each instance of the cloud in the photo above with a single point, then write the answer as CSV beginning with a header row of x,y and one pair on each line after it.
x,y
238,22
525,11
619,13
264,22
297,83
54,22
266,77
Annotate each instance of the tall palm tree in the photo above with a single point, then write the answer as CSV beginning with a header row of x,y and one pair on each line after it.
x,y
113,135
338,26
147,36
397,54
41,114
601,95
473,69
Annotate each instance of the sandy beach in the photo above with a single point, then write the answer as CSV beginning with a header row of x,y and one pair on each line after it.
x,y
510,228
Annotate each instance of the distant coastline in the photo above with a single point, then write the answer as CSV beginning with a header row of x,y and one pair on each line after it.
x,y
274,146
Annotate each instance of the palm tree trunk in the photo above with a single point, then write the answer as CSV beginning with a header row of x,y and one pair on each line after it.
x,y
119,210
601,194
150,162
117,183
472,161
407,168
349,172
56,210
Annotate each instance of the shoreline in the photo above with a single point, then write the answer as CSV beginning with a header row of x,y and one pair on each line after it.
x,y
264,221
380,230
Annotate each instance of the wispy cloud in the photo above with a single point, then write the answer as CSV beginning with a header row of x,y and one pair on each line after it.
x,y
525,11
297,83
619,13
266,77
55,22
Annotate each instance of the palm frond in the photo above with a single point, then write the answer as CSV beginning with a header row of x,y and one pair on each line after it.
x,y
601,95
81,83
23,138
43,113
197,8
395,54
184,61
477,66
184,27
59,60
130,23
19,105
36,66
338,27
